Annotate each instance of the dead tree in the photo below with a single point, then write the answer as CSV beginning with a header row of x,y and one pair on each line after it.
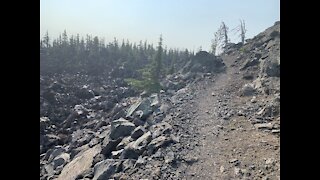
x,y
224,33
221,39
242,29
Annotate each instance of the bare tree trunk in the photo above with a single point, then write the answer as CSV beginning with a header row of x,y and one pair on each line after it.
x,y
243,31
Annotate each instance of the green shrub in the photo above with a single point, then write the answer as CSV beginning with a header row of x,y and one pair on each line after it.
x,y
144,85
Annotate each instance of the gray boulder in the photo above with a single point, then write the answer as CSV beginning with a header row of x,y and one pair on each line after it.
x,y
108,145
56,151
121,128
144,107
204,62
136,148
271,66
79,164
137,132
250,62
61,160
104,169
124,142
116,154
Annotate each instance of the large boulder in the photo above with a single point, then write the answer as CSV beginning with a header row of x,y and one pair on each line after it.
x,y
49,140
81,137
124,142
121,128
250,62
271,66
136,148
144,107
79,164
60,160
108,145
137,132
56,151
204,62
104,169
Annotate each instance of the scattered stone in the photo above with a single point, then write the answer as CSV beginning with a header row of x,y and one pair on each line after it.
x,y
53,153
141,161
221,169
124,142
226,117
252,167
156,173
174,138
116,154
237,171
235,162
275,131
250,62
248,90
240,113
270,161
264,126
169,158
254,99
127,164
160,129
158,142
191,160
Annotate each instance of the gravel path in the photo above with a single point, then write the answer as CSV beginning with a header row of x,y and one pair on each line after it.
x,y
220,143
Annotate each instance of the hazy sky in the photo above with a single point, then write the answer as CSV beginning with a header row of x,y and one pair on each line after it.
x,y
182,23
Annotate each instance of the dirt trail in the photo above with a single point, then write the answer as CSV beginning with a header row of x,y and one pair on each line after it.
x,y
227,145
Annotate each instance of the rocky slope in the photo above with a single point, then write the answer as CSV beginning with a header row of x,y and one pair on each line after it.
x,y
218,118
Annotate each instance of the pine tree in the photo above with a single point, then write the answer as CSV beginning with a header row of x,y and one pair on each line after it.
x,y
46,40
157,67
151,74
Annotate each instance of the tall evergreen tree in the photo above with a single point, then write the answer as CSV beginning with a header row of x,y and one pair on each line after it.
x,y
157,67
46,40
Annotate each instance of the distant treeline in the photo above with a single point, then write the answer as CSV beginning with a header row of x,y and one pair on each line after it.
x,y
93,56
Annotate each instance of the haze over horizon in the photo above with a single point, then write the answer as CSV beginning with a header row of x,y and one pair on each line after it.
x,y
183,24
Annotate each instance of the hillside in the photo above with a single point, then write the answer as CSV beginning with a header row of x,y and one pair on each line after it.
x,y
216,118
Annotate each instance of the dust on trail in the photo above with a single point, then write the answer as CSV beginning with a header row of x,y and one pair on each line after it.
x,y
227,146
